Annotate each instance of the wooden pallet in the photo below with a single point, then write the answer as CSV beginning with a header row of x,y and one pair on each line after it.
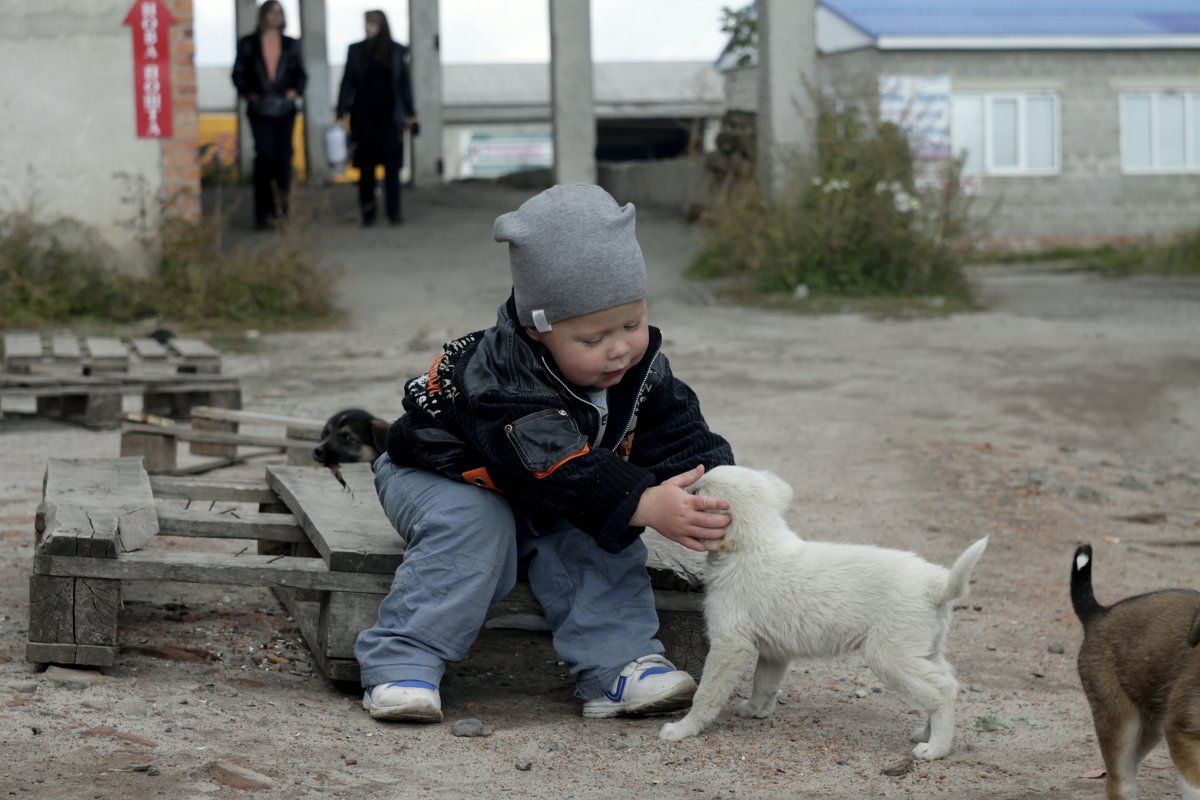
x,y
330,557
216,432
67,354
96,400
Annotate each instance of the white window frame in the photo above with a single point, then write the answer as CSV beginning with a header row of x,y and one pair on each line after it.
x,y
1021,97
1191,158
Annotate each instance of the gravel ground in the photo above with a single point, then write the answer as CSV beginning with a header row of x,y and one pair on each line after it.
x,y
1068,411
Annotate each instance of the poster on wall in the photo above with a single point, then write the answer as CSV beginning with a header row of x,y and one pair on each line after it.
x,y
151,22
920,106
487,155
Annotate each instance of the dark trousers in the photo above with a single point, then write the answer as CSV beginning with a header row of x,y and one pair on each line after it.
x,y
272,165
391,188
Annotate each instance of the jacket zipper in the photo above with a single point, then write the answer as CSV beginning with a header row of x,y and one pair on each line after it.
x,y
628,422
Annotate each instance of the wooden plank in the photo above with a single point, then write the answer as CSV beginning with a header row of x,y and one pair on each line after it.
x,y
347,526
214,437
96,507
232,491
307,616
148,349
243,569
78,654
73,610
107,348
22,347
192,348
64,347
236,415
231,524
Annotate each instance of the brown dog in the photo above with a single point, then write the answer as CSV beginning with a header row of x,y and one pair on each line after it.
x,y
1140,669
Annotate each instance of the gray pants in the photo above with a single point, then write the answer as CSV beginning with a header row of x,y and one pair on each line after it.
x,y
463,547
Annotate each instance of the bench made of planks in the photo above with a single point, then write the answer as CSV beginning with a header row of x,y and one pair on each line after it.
x,y
328,553
96,400
215,432
67,354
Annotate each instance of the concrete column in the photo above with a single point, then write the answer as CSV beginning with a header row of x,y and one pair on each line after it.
x,y
246,21
318,108
787,68
426,54
571,107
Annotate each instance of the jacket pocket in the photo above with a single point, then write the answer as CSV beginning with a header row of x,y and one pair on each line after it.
x,y
545,440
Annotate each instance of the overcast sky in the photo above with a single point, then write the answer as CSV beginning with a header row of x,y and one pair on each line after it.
x,y
492,31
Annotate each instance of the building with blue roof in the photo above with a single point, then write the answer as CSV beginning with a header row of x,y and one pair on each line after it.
x,y
1079,120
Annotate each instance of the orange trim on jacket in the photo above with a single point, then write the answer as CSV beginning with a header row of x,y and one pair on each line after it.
x,y
547,473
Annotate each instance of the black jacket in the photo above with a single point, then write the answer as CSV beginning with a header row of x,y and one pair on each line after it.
x,y
250,76
495,411
356,68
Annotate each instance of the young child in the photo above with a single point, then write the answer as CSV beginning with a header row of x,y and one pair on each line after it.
x,y
555,436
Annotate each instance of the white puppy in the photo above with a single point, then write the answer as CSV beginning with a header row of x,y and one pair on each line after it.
x,y
770,593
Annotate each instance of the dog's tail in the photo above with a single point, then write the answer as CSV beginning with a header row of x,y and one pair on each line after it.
x,y
957,583
1082,599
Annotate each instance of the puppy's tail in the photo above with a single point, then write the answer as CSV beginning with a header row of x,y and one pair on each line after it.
x,y
957,583
1082,599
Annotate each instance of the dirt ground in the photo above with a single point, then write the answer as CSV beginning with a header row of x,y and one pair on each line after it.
x,y
1068,411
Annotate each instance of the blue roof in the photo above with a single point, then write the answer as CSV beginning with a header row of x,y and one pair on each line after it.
x,y
1020,17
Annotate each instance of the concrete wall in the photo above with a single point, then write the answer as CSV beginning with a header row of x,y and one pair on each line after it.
x,y
1090,200
679,183
68,139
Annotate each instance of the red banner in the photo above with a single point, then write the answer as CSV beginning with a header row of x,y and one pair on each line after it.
x,y
151,21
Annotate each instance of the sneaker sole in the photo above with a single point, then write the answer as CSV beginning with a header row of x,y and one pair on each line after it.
x,y
401,714
672,702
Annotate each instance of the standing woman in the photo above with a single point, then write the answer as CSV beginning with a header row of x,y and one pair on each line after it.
x,y
269,74
377,92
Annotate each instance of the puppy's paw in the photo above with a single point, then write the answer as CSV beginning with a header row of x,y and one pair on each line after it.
x,y
674,731
925,752
747,709
919,733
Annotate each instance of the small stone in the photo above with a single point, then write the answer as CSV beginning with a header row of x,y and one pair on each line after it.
x,y
1037,673
860,692
991,648
73,678
933,527
1088,495
1056,648
468,727
229,774
800,292
23,687
524,766
1130,482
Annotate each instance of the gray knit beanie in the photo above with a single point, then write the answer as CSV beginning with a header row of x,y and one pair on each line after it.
x,y
572,251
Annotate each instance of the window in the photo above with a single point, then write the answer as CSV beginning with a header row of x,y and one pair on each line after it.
x,y
1160,131
1011,133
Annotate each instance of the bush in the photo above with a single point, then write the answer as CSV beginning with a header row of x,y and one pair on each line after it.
x,y
853,222
54,272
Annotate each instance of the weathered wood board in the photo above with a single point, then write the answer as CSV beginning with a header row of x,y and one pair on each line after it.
x,y
96,508
347,526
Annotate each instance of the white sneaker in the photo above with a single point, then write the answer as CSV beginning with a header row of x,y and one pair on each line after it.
x,y
649,685
403,703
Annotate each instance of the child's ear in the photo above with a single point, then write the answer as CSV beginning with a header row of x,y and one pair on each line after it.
x,y
533,333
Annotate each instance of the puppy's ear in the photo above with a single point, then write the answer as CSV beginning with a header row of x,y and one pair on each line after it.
x,y
379,432
780,491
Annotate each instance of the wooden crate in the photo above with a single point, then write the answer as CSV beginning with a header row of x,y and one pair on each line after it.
x,y
216,432
68,354
330,560
96,400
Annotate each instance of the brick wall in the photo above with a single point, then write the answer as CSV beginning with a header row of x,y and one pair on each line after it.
x,y
180,159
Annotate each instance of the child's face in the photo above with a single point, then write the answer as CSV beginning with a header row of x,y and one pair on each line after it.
x,y
597,349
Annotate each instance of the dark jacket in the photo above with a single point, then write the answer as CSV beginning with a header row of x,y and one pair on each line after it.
x,y
495,411
356,68
250,76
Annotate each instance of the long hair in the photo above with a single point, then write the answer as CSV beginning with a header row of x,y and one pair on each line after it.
x,y
379,47
264,9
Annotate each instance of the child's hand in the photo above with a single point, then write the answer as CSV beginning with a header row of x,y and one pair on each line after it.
x,y
681,517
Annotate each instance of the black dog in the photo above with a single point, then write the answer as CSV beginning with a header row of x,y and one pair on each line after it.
x,y
350,436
